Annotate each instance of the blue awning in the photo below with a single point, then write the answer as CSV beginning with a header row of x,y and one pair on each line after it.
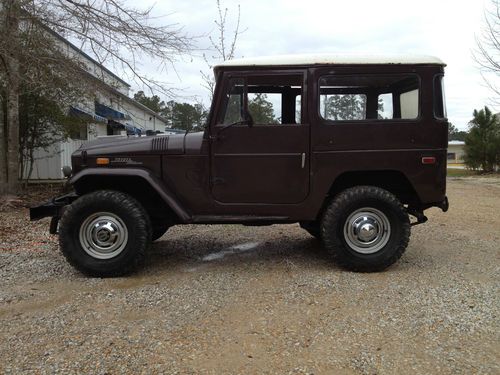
x,y
75,111
109,113
131,130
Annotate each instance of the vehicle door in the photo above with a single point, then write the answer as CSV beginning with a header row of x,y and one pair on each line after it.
x,y
260,139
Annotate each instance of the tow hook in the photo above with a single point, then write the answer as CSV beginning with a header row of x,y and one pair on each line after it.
x,y
421,218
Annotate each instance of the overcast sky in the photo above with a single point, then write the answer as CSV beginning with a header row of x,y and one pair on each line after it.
x,y
444,28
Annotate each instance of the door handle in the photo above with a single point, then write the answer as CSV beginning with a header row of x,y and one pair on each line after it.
x,y
303,160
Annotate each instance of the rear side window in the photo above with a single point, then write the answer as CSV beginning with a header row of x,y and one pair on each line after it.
x,y
369,97
439,98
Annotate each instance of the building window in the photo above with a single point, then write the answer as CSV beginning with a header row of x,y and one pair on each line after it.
x,y
78,132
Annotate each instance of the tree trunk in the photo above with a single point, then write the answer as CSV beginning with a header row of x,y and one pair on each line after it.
x,y
3,149
12,96
3,124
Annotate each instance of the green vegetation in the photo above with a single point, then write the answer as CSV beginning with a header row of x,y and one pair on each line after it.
x,y
454,134
154,102
261,109
183,116
482,143
43,121
453,172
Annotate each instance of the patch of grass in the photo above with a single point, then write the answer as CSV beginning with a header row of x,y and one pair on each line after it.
x,y
452,172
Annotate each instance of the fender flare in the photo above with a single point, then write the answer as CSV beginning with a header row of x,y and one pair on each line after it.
x,y
153,181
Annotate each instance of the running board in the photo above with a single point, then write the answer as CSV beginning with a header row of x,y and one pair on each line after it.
x,y
246,219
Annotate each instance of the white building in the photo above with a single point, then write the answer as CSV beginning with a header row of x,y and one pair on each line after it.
x,y
456,152
113,112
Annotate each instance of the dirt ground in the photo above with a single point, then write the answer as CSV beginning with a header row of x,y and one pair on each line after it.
x,y
256,300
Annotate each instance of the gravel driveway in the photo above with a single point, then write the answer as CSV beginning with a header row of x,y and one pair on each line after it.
x,y
254,300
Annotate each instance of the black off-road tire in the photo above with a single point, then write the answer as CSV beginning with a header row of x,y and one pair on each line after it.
x,y
346,203
312,227
159,228
123,206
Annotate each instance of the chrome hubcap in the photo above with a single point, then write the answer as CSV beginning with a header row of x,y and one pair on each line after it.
x,y
103,235
367,230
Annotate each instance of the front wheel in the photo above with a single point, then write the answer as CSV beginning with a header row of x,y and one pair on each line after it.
x,y
105,233
365,228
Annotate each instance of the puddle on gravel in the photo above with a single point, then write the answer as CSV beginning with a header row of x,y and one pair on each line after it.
x,y
235,249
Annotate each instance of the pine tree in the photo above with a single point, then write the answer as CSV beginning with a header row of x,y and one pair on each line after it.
x,y
261,109
482,143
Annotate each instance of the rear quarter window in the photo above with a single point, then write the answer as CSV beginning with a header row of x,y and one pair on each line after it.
x,y
439,97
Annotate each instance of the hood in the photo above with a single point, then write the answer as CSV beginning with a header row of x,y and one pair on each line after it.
x,y
164,144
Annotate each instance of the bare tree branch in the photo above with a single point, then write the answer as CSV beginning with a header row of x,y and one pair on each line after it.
x,y
222,51
34,57
487,52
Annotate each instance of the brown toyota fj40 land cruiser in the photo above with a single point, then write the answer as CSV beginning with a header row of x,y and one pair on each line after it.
x,y
349,147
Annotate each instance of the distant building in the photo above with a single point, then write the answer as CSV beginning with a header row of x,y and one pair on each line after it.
x,y
112,112
456,152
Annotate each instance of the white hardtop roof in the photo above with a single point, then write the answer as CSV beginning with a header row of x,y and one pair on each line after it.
x,y
327,59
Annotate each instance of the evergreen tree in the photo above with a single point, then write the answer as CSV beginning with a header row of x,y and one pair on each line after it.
x,y
185,116
454,134
261,109
154,102
345,107
482,143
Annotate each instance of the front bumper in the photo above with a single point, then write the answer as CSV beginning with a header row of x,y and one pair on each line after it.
x,y
53,208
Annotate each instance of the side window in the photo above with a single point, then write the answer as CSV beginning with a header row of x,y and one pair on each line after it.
x,y
345,106
265,108
272,99
233,102
439,97
409,104
298,109
369,97
266,99
384,107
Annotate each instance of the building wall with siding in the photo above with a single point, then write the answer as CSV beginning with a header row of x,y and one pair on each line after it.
x,y
456,152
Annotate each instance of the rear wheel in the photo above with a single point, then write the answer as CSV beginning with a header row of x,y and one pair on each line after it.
x,y
105,233
365,229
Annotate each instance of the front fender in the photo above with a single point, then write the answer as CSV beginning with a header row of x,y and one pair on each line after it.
x,y
165,194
